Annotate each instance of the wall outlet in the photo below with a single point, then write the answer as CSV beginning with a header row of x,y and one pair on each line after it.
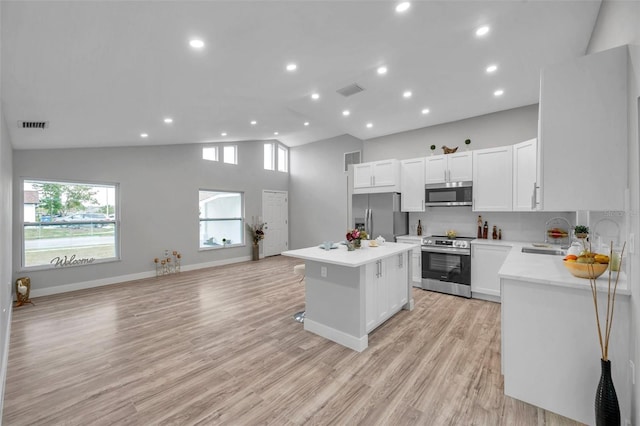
x,y
323,271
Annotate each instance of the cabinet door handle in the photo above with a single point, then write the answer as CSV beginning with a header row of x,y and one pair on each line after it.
x,y
533,197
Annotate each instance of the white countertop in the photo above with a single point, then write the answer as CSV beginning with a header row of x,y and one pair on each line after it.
x,y
341,256
410,237
549,270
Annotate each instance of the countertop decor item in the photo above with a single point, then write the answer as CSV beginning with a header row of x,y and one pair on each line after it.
x,y
581,231
586,270
355,236
607,409
451,234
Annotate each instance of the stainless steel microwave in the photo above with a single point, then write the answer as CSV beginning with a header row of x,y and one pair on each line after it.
x,y
448,194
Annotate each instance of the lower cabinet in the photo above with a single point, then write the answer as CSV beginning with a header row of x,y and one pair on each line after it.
x,y
486,261
416,259
388,291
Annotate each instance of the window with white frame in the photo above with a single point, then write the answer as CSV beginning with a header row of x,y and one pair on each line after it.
x,y
230,154
221,218
269,156
210,153
69,224
283,159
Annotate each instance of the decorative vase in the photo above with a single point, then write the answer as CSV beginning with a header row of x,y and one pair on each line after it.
x,y
351,246
356,243
582,235
255,254
606,403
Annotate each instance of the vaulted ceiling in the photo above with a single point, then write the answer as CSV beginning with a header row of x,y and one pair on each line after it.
x,y
101,73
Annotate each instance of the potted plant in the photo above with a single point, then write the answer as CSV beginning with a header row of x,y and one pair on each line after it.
x,y
433,148
581,231
257,234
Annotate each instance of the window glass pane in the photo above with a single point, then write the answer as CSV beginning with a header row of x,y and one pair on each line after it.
x,y
220,205
268,156
230,155
210,153
68,224
221,218
282,159
217,233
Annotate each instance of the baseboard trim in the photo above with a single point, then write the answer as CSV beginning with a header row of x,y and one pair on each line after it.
x,y
5,357
351,342
130,277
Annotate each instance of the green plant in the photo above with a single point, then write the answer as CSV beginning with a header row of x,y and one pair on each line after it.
x,y
433,147
581,229
467,141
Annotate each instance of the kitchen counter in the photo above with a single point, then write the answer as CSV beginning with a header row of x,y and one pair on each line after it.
x,y
350,293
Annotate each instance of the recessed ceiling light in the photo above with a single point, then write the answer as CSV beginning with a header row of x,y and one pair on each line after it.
x,y
168,120
402,7
254,122
482,31
315,96
498,92
223,134
291,67
492,68
276,133
425,111
369,125
306,123
382,70
196,43
407,94
346,112
144,135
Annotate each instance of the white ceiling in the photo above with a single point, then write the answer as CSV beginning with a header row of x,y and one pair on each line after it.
x,y
103,72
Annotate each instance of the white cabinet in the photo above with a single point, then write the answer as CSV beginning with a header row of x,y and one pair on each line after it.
x,y
524,175
486,261
492,179
412,184
454,167
416,259
582,135
377,176
387,289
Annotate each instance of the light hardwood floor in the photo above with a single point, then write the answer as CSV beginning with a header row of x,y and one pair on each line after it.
x,y
219,346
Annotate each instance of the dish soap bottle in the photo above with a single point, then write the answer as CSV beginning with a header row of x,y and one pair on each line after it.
x,y
419,229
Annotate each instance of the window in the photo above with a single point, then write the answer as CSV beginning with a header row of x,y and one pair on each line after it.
x,y
230,153
269,158
283,159
69,224
221,219
210,153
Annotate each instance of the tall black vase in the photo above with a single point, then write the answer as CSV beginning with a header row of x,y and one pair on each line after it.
x,y
606,404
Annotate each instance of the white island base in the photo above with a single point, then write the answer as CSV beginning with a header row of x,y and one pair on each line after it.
x,y
348,294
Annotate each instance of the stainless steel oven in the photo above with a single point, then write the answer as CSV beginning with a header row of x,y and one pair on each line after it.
x,y
446,265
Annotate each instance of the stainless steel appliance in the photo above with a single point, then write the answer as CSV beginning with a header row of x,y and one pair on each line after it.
x,y
448,194
379,214
446,265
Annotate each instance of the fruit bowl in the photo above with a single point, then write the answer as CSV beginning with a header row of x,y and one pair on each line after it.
x,y
586,270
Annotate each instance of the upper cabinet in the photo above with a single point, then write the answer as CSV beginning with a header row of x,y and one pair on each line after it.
x,y
524,176
454,167
412,184
377,176
582,135
492,179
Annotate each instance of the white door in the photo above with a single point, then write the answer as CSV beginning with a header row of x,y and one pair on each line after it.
x,y
275,214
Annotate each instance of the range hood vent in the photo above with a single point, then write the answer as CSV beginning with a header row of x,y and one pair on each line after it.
x,y
350,90
33,124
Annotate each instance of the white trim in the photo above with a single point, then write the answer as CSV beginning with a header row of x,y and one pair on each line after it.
x,y
130,277
486,295
352,342
5,357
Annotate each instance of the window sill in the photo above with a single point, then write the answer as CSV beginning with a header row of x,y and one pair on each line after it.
x,y
220,247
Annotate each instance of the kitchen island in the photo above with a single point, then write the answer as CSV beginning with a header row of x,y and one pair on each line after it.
x,y
550,350
350,293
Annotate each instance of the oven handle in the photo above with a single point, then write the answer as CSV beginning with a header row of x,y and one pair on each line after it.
x,y
449,250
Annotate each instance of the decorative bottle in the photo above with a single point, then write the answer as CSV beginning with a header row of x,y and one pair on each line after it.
x,y
419,229
479,226
494,233
485,230
500,233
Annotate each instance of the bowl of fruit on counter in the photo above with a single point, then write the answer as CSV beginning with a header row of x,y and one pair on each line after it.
x,y
586,264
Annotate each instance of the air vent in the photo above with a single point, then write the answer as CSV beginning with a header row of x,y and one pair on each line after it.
x,y
351,158
349,90
33,124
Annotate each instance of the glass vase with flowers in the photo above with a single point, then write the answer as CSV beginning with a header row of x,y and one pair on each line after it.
x,y
354,237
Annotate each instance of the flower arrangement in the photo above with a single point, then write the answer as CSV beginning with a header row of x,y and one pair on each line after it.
x,y
356,234
257,232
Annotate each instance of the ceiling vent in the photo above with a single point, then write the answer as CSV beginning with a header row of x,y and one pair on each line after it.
x,y
350,90
33,124
351,158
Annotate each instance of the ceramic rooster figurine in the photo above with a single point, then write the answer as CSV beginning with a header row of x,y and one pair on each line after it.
x,y
448,150
22,292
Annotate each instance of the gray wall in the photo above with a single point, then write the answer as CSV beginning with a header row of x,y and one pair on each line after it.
x,y
486,131
319,193
617,25
158,202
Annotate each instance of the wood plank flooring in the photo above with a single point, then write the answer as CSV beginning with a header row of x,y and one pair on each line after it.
x,y
219,346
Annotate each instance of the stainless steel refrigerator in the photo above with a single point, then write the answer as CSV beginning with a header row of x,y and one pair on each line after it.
x,y
379,214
